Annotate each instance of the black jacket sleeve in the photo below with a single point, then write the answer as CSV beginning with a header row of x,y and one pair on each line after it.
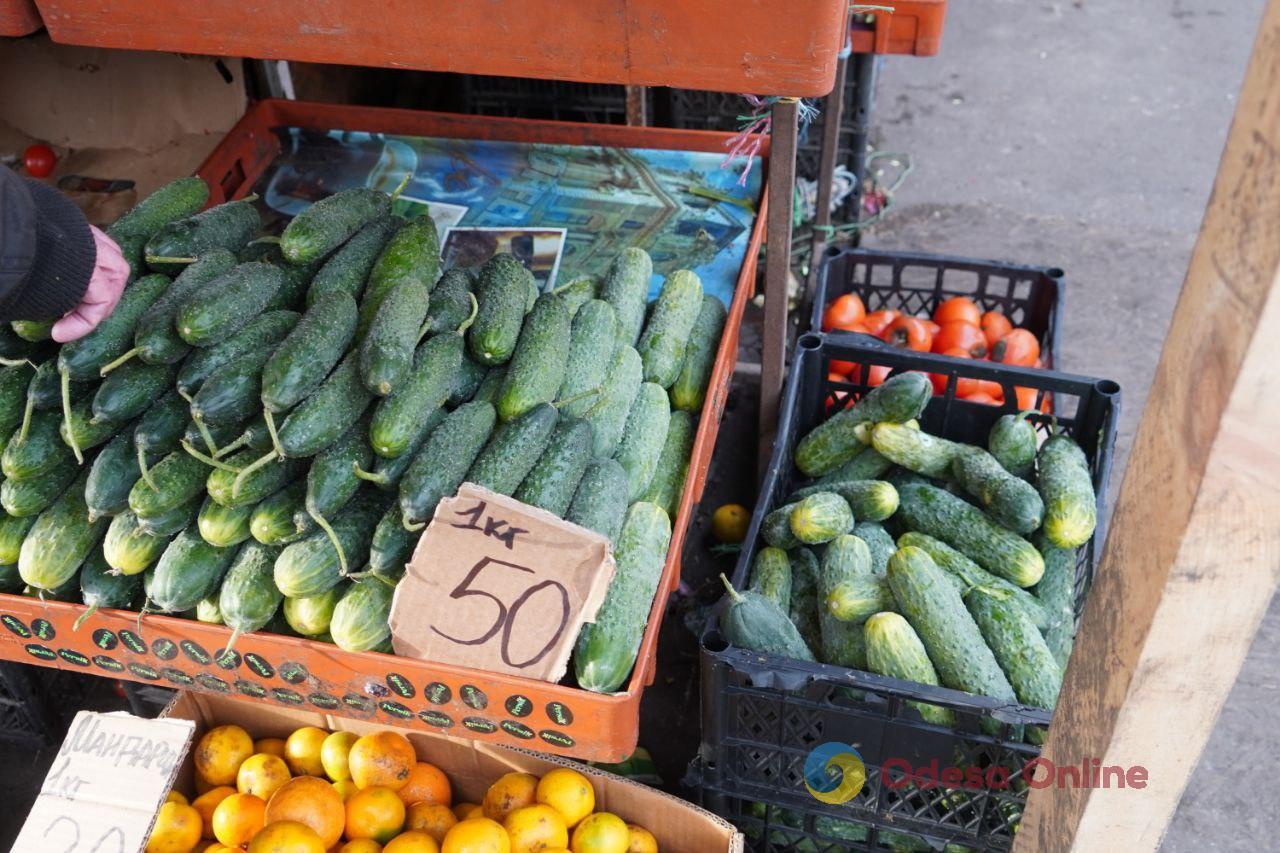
x,y
47,253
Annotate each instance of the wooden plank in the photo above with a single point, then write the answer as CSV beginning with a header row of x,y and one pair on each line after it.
x,y
637,106
1191,561
832,115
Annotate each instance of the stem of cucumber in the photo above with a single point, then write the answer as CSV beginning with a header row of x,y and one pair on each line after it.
x,y
733,593
333,539
25,429
205,435
271,431
93,608
208,460
112,365
379,479
66,414
235,635
259,463
412,527
165,259
475,309
227,449
144,470
590,392
403,183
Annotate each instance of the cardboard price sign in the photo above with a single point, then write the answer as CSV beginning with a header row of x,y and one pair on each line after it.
x,y
498,585
106,784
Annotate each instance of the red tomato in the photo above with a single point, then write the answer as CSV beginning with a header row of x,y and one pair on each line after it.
x,y
838,397
1026,398
962,336
939,380
842,312
39,160
1019,347
933,327
995,326
967,387
958,309
877,321
908,332
840,368
981,397
875,376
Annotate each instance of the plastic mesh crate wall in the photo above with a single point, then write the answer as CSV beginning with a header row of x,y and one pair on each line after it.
x,y
915,283
762,714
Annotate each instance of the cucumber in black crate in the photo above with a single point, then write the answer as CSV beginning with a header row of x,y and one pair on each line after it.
x,y
834,442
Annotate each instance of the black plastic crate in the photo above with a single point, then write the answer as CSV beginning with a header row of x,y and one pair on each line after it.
x,y
762,714
558,100
915,283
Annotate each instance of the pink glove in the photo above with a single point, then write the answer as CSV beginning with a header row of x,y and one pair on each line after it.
x,y
110,273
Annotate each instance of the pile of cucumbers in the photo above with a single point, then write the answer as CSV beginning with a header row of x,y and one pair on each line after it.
x,y
259,432
913,556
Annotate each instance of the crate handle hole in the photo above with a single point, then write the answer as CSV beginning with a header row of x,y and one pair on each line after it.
x,y
714,642
811,342
1108,387
1055,272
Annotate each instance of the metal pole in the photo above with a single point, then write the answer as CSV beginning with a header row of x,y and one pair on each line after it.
x,y
637,106
832,117
864,66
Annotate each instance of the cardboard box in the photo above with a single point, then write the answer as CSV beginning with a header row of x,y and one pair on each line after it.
x,y
472,767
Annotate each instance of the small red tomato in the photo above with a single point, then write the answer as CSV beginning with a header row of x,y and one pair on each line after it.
x,y
939,380
842,312
1019,347
840,368
837,398
995,326
876,375
877,321
39,160
958,309
962,336
1026,398
966,387
981,397
908,332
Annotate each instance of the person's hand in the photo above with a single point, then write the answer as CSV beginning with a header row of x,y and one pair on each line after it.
x,y
110,274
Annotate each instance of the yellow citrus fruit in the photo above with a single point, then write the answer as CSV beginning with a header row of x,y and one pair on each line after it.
x,y
601,832
465,811
412,841
535,828
333,755
375,813
238,818
435,819
512,791
640,840
207,802
262,775
220,753
287,836
176,797
729,523
311,801
361,845
476,835
217,847
568,792
346,788
383,759
270,745
302,751
426,784
177,829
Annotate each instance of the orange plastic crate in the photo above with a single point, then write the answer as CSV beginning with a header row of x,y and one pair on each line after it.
x,y
914,28
19,18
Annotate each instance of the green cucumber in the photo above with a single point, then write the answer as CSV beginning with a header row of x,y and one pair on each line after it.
x,y
13,530
207,610
537,366
450,302
310,615
1012,441
487,392
667,486
411,255
474,381
670,325
128,392
806,572
332,480
329,222
391,545
501,295
600,501
834,442
820,518
230,395
160,428
111,477
15,380
348,269
847,558
397,417
690,388
360,620
32,331
866,464
263,332
513,450
872,500
879,541
177,479
442,464
894,649
857,599
386,351
756,623
311,350
312,565
248,597
1018,647
776,527
608,414
644,437
626,288
22,498
322,418
10,581
39,453
1009,500
232,490
226,227
1056,591
606,649
169,203
85,357
80,431
227,304
592,341
222,526
387,473
101,587
128,548
1070,505
60,540
189,570
915,449
972,575
554,478
45,389
771,576
171,522
578,292
275,519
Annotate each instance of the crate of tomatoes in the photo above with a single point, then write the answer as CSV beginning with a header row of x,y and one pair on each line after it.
x,y
957,307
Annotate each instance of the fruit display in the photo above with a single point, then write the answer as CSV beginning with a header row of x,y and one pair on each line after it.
x,y
913,556
260,430
317,790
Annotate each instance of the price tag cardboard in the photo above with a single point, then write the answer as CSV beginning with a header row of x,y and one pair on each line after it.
x,y
106,784
498,585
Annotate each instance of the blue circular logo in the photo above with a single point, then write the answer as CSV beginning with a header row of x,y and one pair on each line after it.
x,y
834,773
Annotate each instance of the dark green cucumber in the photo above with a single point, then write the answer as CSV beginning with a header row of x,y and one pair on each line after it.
x,y
297,367
100,587
171,522
227,304
111,477
806,572
690,388
386,473
1010,500
347,269
231,394
771,576
867,464
10,579
1012,441
360,619
312,565
751,621
60,540
322,418
129,391
1018,647
220,436
12,346
45,388
84,358
248,597
606,649
878,541
592,341
626,288
834,442
670,325
914,449
820,518
178,478
1056,592
894,649
386,351
537,366
487,392
474,381
514,449
846,559
80,431
643,437
411,255
297,281
940,514
15,380
32,331
128,548
332,479
391,545
229,489
39,453
263,332
872,500
12,531
600,500
22,498
501,294
776,527
1070,505
189,570
450,302
667,485
226,227
310,615
169,203
397,417
329,222
578,292
442,464
554,478
275,520
608,415
222,526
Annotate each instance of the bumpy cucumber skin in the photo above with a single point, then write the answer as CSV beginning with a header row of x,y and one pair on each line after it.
x,y
265,331
626,288
160,428
387,473
309,352
260,484
412,254
554,478
578,292
833,442
667,485
222,526
866,464
347,269
501,294
754,622
128,548
1056,591
41,452
1012,441
915,450
311,566
689,391
537,366
32,331
88,431
128,391
386,352
397,417
667,333
169,203
310,615
331,480
643,437
22,498
600,501
1010,500
608,415
111,477
859,598
872,500
248,597
878,541
230,395
100,586
83,358
360,620
847,558
14,382
155,337
487,391
189,570
771,576
1018,647
450,301
12,531
820,518
606,649
894,649
391,545
592,340
275,520
227,304
971,575
60,540
442,464
223,227
322,418
45,390
775,529
326,225
178,478
513,450
805,574
1070,505
172,522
